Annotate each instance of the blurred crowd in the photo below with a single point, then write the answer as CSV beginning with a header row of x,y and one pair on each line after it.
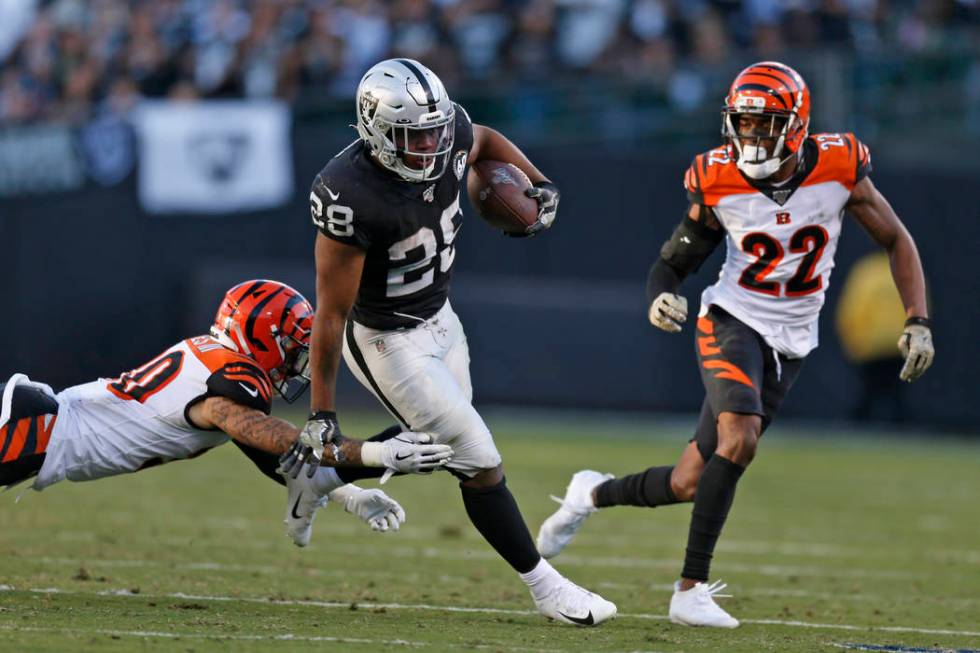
x,y
70,59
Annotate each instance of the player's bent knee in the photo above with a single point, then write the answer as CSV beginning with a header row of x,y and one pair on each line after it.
x,y
486,478
738,436
684,484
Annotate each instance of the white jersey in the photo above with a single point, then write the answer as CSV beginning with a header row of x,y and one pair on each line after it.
x,y
140,419
780,240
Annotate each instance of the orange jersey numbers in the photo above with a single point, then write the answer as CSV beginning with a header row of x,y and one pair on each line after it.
x,y
143,382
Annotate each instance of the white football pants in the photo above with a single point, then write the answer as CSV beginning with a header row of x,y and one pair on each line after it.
x,y
422,376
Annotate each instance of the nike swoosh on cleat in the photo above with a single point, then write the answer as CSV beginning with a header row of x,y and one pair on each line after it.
x,y
582,621
400,457
295,516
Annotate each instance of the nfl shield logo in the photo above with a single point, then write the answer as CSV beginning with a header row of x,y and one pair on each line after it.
x,y
780,196
430,193
380,346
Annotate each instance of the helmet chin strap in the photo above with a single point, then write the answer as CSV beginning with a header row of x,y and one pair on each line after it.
x,y
765,168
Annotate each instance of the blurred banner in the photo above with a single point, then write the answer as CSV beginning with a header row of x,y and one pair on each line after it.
x,y
38,159
213,157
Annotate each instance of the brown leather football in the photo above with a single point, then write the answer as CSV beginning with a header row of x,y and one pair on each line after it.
x,y
496,191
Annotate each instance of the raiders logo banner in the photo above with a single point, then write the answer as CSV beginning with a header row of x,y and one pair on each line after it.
x,y
214,157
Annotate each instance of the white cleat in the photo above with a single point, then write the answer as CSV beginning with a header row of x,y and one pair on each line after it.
x,y
558,530
301,505
571,604
697,607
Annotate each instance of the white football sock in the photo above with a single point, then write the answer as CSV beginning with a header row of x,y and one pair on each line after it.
x,y
542,579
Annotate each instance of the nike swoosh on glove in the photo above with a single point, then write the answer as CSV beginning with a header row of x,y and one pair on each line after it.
x,y
406,453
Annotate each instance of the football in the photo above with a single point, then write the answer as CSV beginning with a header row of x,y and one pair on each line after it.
x,y
496,191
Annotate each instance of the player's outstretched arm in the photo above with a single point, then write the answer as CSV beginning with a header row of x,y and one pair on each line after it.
x,y
491,145
873,212
691,243
407,453
252,427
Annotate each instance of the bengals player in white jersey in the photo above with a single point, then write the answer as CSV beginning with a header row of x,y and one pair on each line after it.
x,y
776,195
193,397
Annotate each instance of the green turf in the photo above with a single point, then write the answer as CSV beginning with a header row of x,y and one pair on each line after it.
x,y
841,531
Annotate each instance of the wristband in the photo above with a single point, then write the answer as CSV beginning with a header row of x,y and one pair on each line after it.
x,y
371,454
919,321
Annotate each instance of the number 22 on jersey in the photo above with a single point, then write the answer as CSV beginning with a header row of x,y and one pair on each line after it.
x,y
809,241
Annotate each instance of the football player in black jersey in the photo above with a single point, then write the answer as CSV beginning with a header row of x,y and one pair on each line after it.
x,y
388,211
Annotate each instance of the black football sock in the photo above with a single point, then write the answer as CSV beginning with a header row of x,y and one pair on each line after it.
x,y
494,512
650,488
712,500
351,474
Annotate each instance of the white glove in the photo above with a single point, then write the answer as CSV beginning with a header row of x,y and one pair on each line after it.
x,y
374,507
916,347
668,312
407,453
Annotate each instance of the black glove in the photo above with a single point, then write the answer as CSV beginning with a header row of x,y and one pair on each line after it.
x,y
321,429
546,195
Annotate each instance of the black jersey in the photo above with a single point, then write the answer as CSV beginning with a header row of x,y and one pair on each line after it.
x,y
407,229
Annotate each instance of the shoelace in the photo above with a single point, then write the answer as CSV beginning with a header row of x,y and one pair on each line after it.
x,y
709,592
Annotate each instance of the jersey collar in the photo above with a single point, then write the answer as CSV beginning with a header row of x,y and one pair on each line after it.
x,y
780,194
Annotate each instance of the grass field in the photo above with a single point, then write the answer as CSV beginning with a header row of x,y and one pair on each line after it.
x,y
833,543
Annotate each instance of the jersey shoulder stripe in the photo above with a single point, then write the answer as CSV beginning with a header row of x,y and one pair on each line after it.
x,y
842,158
712,176
244,383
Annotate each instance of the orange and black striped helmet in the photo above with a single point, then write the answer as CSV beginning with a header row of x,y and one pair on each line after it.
x,y
271,323
775,89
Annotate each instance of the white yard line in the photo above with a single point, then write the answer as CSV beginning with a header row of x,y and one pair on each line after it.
x,y
482,610
469,555
765,591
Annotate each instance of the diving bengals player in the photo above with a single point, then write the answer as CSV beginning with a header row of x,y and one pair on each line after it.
x,y
777,197
197,395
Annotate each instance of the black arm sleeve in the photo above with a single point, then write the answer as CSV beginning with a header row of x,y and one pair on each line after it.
x,y
662,278
683,253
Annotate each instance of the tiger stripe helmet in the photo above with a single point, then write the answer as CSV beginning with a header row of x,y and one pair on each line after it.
x,y
767,88
270,323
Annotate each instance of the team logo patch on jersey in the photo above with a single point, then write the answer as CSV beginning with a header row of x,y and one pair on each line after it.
x,y
783,218
459,163
430,193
